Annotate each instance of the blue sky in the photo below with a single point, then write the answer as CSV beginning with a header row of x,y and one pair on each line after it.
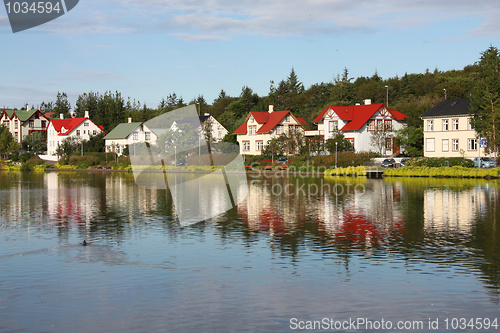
x,y
148,49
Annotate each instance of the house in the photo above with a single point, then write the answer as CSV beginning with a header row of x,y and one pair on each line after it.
x,y
126,134
260,127
81,128
448,131
23,122
218,131
368,127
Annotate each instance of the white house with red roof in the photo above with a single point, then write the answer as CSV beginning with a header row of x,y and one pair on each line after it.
x,y
358,124
260,127
59,129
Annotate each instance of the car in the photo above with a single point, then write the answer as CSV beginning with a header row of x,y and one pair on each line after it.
x,y
181,163
486,162
403,161
282,160
389,163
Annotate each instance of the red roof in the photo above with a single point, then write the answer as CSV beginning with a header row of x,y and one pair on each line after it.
x,y
268,119
356,115
68,124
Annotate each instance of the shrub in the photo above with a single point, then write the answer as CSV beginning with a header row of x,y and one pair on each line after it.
x,y
83,162
440,162
344,159
349,171
455,171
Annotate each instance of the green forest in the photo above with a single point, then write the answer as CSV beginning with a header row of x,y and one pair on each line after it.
x,y
413,94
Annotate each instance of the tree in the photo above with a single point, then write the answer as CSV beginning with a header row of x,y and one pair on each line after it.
x,y
379,138
338,143
293,141
37,141
486,98
8,144
62,105
95,143
206,128
273,148
68,146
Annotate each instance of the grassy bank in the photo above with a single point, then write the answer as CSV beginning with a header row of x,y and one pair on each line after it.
x,y
454,171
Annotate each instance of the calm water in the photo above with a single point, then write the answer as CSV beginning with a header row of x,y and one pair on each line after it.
x,y
298,250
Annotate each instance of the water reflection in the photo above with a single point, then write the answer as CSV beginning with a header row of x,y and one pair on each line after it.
x,y
428,246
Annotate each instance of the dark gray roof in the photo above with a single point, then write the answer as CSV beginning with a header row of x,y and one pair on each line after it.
x,y
450,107
193,121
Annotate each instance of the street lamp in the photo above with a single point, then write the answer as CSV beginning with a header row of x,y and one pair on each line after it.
x,y
387,96
444,93
336,144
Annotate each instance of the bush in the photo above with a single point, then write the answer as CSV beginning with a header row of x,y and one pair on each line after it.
x,y
344,159
34,163
440,162
349,171
455,171
83,162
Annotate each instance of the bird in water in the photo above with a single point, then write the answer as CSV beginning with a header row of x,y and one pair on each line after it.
x,y
84,243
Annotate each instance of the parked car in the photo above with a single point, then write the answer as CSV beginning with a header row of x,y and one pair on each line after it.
x,y
403,161
389,163
282,160
486,162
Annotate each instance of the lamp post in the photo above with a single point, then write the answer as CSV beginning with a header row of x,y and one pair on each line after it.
x,y
336,144
387,96
444,93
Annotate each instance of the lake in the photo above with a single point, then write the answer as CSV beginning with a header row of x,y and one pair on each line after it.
x,y
298,254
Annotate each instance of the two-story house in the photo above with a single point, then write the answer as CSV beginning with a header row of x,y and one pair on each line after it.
x,y
359,123
127,134
448,131
260,127
217,130
81,128
23,122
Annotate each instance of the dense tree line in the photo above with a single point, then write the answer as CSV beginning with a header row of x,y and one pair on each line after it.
x,y
412,94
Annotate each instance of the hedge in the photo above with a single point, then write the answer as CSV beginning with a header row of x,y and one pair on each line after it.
x,y
455,171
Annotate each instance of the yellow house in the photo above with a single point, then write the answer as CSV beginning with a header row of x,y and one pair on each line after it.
x,y
260,127
448,131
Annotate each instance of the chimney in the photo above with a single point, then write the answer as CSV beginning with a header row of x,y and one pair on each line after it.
x,y
129,120
87,114
368,101
271,108
28,107
61,116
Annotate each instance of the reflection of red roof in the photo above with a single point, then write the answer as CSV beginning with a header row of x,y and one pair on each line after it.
x,y
356,115
268,119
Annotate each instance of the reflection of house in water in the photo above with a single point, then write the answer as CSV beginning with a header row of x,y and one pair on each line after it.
x,y
70,203
361,211
454,208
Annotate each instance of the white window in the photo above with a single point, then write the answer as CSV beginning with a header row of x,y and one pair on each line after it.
x,y
429,145
472,144
469,125
136,136
333,126
78,132
454,144
446,144
371,125
147,135
279,129
445,125
430,125
86,124
455,124
246,145
259,145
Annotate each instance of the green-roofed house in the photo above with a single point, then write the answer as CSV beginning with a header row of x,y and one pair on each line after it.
x,y
23,122
128,133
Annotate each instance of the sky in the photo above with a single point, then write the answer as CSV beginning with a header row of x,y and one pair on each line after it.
x,y
148,49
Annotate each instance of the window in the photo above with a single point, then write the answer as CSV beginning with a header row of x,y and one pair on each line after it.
x,y
287,117
454,144
279,129
379,124
469,125
446,144
252,130
429,144
16,136
86,124
43,123
388,143
333,126
455,124
78,132
371,125
445,125
94,132
6,123
430,125
31,124
472,144
15,124
136,136
259,145
246,145
351,141
147,135
388,125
